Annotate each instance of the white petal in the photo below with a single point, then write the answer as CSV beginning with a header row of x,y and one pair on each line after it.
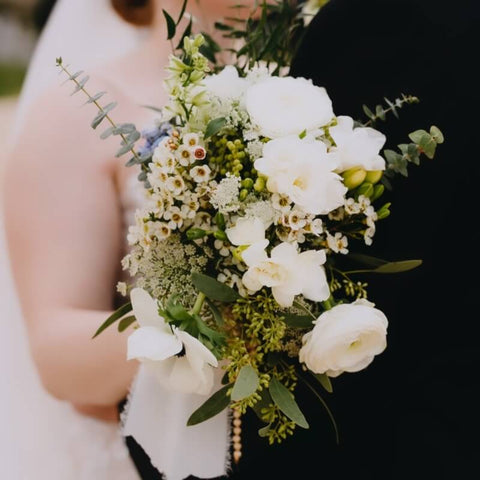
x,y
153,344
255,253
145,309
246,231
283,296
250,280
195,350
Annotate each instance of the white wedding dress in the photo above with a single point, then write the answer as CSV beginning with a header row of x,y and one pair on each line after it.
x,y
43,438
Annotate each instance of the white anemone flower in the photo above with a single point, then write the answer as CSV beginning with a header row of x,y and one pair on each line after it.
x,y
356,147
281,106
302,170
287,272
179,361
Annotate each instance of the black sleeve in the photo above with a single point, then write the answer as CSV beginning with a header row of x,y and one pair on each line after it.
x,y
415,409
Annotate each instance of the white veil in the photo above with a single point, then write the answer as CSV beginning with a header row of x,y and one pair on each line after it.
x,y
33,442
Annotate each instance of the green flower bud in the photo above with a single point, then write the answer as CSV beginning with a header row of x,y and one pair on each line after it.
x,y
384,212
366,188
259,184
196,233
247,183
374,176
243,194
377,192
220,235
220,220
354,177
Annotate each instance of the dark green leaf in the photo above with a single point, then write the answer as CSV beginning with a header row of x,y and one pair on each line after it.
x,y
397,267
284,400
324,381
182,11
116,315
125,323
216,313
367,260
215,126
246,384
214,289
171,25
297,321
213,406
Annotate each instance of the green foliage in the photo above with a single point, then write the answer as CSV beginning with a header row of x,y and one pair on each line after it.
x,y
285,401
381,111
246,383
113,318
214,289
219,401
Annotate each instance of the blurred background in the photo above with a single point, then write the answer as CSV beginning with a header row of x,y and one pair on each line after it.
x,y
21,22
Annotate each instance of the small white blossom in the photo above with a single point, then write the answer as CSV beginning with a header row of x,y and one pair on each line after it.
x,y
281,202
122,288
174,217
200,173
221,248
224,195
184,155
191,139
338,243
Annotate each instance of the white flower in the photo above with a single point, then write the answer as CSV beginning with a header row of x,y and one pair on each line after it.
x,y
287,272
246,231
281,106
303,171
200,173
356,147
175,184
174,216
226,85
179,361
338,243
190,139
345,339
184,154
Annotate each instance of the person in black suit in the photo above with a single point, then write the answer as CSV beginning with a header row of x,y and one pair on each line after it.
x,y
414,412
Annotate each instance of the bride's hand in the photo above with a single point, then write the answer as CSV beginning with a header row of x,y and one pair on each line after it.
x,y
100,412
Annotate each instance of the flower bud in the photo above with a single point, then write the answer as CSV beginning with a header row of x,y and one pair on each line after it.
x,y
220,235
377,191
374,176
383,212
243,194
220,220
366,189
195,233
259,184
354,177
247,183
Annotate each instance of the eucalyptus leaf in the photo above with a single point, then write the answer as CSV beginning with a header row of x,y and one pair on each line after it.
x,y
214,126
284,400
214,289
213,406
246,383
96,97
114,317
367,260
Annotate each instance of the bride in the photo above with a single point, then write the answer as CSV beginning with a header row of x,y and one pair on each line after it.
x,y
67,201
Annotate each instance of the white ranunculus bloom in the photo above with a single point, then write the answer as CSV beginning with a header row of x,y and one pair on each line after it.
x,y
356,147
287,272
345,339
178,360
281,106
302,170
246,231
226,85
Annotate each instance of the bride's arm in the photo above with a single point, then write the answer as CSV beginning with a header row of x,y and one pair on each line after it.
x,y
63,225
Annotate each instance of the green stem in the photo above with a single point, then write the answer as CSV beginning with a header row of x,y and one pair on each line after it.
x,y
198,304
328,303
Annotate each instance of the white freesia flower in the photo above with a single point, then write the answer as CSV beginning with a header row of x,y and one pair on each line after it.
x,y
179,361
356,147
246,231
302,170
345,339
287,272
226,85
281,106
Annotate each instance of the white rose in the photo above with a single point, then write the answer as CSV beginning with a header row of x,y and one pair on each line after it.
x,y
287,272
246,231
302,170
226,85
158,345
281,106
356,147
345,339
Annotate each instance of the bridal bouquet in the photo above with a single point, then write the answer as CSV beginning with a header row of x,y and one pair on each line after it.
x,y
242,259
